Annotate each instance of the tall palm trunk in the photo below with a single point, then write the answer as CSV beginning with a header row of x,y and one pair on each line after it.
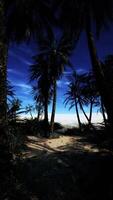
x,y
77,112
99,75
39,111
103,113
4,136
3,71
54,105
46,123
88,119
5,155
83,111
91,111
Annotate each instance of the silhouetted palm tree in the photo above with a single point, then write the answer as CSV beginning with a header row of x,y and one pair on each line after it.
x,y
90,92
81,15
73,95
57,52
14,109
30,109
82,91
40,73
107,66
10,91
39,101
19,21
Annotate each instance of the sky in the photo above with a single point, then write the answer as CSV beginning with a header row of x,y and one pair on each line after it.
x,y
20,58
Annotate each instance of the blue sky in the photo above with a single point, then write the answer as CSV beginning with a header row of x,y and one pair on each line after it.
x,y
20,57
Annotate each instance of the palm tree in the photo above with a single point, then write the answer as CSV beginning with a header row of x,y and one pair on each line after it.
x,y
14,109
39,101
10,89
57,53
89,92
29,109
107,65
82,92
3,82
81,15
19,21
40,73
73,95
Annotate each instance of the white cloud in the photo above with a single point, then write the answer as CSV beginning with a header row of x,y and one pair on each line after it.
x,y
59,83
12,71
62,83
20,58
23,86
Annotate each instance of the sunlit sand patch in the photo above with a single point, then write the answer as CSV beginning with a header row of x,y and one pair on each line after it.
x,y
48,144
60,144
90,148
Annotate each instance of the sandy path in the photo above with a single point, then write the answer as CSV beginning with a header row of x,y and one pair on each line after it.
x,y
36,146
66,168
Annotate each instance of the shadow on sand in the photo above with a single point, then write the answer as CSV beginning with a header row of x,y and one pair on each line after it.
x,y
71,173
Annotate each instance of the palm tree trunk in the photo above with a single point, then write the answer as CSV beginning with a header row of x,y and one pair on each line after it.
x,y
90,112
31,115
5,155
83,111
99,75
3,72
89,121
4,137
103,113
78,117
54,106
39,112
46,123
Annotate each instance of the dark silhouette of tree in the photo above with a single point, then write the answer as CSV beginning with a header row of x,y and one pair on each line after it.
x,y
107,66
30,109
39,101
73,95
14,109
40,73
19,21
81,15
82,92
57,52
90,92
10,92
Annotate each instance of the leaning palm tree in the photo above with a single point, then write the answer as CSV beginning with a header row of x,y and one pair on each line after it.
x,y
81,15
82,92
73,96
89,92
